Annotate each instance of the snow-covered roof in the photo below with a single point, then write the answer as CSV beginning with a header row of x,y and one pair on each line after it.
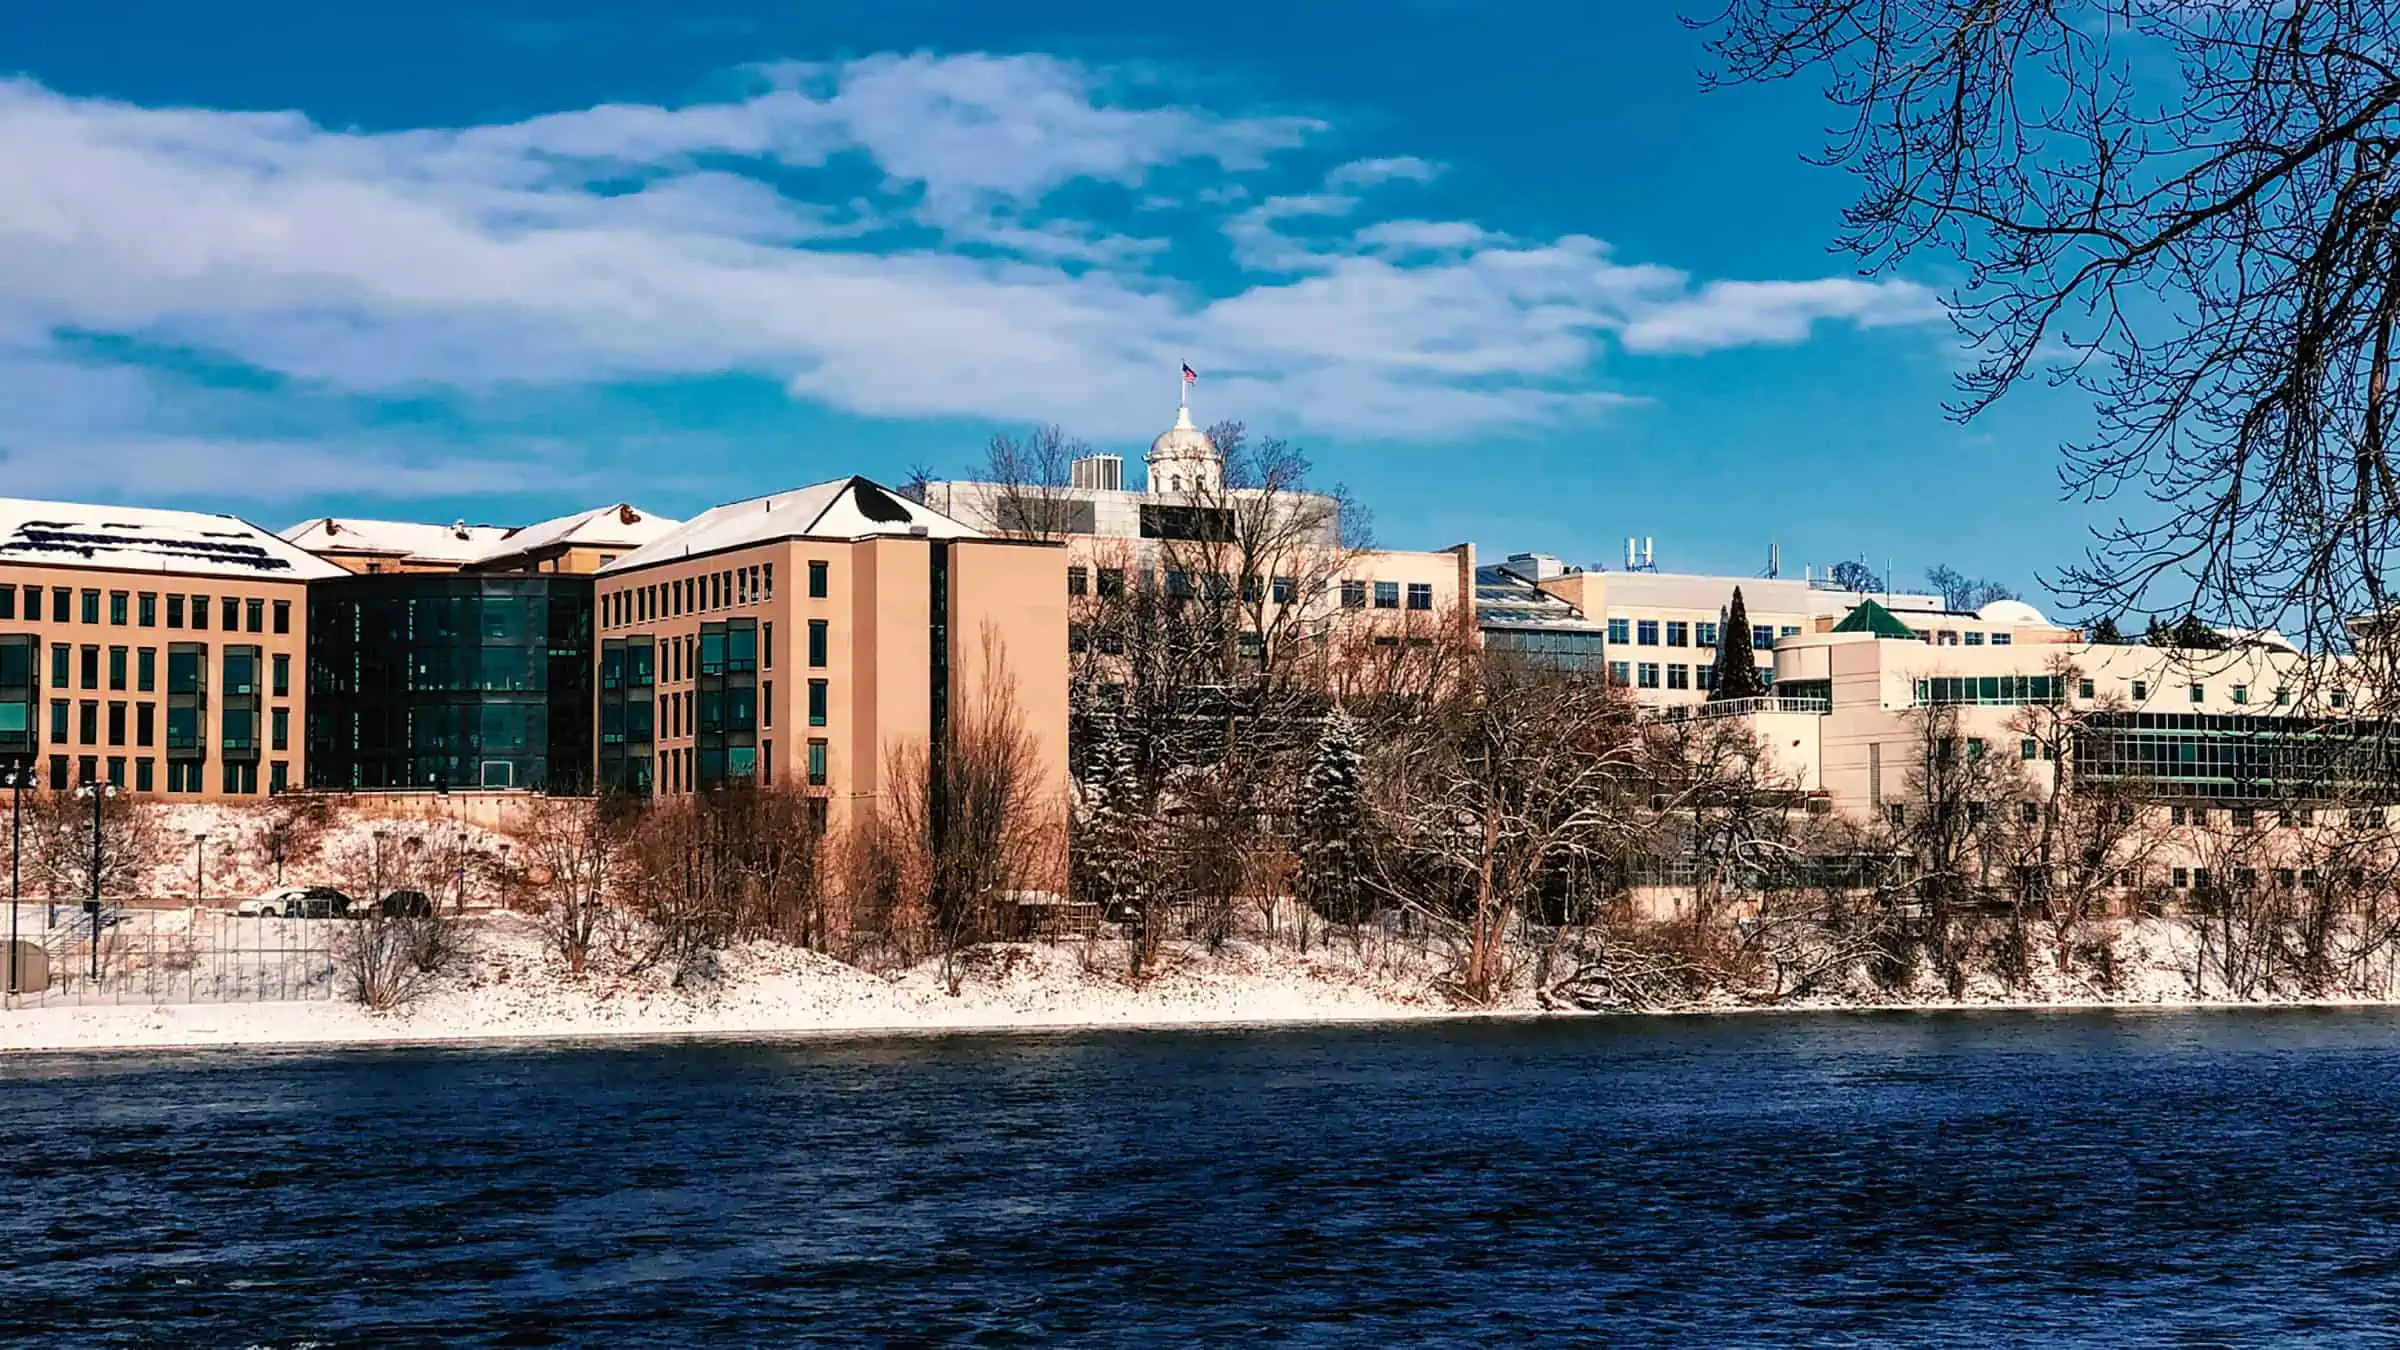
x,y
1505,599
2010,611
145,539
459,543
619,525
846,508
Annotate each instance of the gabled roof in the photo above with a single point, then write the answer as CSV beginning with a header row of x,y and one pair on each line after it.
x,y
1870,617
845,508
1504,599
457,543
142,539
615,526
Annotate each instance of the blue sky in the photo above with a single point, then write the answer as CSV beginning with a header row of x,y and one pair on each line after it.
x,y
1504,270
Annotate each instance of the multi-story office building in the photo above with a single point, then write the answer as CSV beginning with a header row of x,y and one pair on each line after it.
x,y
459,656
155,650
809,637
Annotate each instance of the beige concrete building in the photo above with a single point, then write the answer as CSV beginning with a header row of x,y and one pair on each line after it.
x,y
160,651
576,544
810,637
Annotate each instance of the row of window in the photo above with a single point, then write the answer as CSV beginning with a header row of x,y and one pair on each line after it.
x,y
137,668
237,726
1951,638
140,774
728,589
1387,595
1678,633
2003,690
1648,675
125,607
687,768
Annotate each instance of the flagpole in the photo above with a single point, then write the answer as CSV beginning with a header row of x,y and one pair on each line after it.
x,y
1183,389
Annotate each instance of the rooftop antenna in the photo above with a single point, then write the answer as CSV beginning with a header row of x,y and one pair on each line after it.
x,y
1774,560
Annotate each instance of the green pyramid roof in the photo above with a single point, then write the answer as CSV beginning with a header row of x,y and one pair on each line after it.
x,y
1870,617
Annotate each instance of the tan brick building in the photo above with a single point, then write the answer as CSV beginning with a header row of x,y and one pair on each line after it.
x,y
162,651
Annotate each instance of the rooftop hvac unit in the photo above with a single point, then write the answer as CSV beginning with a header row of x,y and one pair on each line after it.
x,y
1105,472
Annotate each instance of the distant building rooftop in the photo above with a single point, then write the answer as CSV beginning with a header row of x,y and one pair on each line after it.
x,y
145,539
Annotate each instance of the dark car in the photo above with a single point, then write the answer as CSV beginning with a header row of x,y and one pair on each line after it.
x,y
406,905
319,902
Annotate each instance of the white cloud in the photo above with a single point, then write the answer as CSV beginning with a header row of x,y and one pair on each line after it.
x,y
1748,313
903,236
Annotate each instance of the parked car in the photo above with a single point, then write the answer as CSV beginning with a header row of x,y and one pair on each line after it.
x,y
406,905
297,902
273,904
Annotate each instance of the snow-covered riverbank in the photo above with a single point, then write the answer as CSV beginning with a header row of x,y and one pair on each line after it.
x,y
513,990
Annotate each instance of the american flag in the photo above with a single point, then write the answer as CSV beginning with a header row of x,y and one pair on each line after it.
x,y
1190,376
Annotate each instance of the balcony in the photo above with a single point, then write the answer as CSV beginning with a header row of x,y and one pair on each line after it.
x,y
1743,707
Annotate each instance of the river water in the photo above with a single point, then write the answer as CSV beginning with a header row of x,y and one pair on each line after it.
x,y
1987,1178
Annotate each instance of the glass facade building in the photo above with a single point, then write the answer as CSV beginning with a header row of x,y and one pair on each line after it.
x,y
459,680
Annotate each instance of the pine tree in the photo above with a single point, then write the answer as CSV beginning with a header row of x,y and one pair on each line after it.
x,y
2105,634
1737,659
1330,822
1113,871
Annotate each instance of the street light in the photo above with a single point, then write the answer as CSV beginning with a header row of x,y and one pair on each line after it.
x,y
99,793
504,874
18,777
199,876
377,897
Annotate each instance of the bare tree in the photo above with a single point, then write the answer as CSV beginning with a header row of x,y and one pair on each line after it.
x,y
575,847
1031,480
2186,209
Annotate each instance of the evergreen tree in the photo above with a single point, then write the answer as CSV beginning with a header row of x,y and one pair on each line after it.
x,y
1114,873
2105,634
1330,823
1737,659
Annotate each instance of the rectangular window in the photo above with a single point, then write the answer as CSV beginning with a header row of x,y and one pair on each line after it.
x,y
87,768
91,604
1679,677
87,722
149,609
58,773
183,667
116,723
1790,630
766,704
2002,640
145,775
145,669
2241,693
2083,689
1974,639
1620,673
1704,635
8,602
1646,675
33,604
766,645
816,702
199,611
145,723
1079,581
174,611
1705,677
279,777
819,580
241,670
1283,590
1354,595
1679,634
1387,595
283,675
119,606
1762,636
62,658
816,644
1645,633
816,763
59,605
1620,631
254,615
283,616
116,669
2029,748
89,667
766,580
2141,690
280,732
2199,693
58,721
1420,595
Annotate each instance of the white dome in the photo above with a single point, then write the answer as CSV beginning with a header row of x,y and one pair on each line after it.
x,y
2010,611
1182,441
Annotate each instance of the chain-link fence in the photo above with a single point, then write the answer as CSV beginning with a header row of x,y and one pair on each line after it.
x,y
125,955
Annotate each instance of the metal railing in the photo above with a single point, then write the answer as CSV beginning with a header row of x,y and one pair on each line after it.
x,y
1745,707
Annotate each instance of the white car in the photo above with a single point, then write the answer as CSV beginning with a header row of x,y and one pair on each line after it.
x,y
284,901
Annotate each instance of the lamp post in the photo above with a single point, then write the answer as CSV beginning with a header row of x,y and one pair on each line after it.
x,y
18,778
504,874
377,897
199,873
99,792
461,856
